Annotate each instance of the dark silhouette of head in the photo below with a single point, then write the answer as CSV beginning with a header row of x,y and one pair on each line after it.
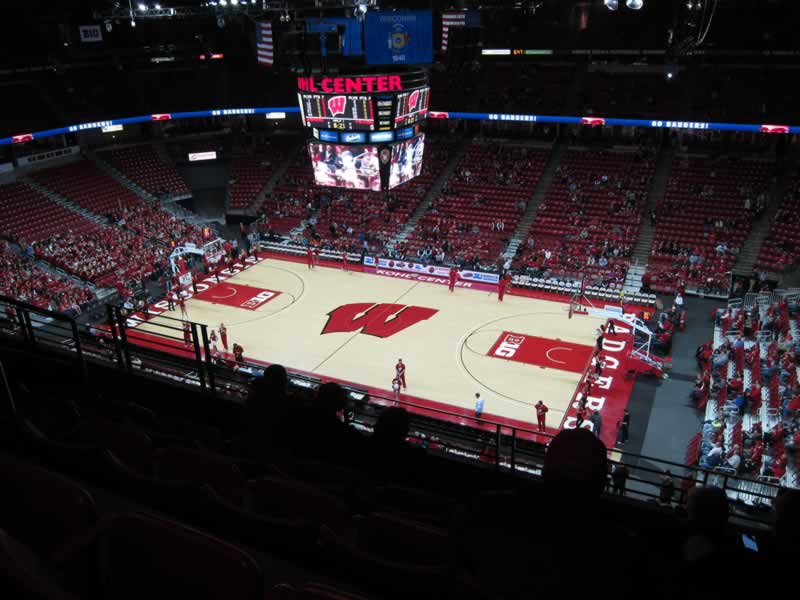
x,y
787,520
266,394
330,399
275,380
707,510
392,427
576,465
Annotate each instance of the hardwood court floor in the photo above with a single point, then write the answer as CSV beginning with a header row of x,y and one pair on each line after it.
x,y
445,354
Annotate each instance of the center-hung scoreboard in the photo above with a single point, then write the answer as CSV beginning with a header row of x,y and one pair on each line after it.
x,y
381,102
365,127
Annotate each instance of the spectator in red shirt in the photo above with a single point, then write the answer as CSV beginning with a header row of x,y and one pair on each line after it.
x,y
735,385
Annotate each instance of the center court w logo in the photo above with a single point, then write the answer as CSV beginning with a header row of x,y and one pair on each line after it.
x,y
379,320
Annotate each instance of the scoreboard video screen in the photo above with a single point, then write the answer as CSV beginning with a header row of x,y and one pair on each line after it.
x,y
411,106
354,166
339,112
406,160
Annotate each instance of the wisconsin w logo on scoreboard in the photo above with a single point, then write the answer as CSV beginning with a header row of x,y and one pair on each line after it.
x,y
336,105
413,98
379,320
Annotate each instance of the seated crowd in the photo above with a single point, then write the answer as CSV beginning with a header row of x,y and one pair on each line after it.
x,y
589,220
480,205
105,256
781,248
703,221
108,257
154,224
346,220
290,201
748,386
22,280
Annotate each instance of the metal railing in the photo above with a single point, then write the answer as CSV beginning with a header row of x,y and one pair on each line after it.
x,y
162,351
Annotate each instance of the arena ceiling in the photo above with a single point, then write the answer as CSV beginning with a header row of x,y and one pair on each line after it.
x,y
46,31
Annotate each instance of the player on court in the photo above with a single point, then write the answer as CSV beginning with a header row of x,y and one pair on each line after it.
x,y
187,333
611,329
541,415
453,277
182,304
400,372
223,336
310,256
396,389
316,255
501,286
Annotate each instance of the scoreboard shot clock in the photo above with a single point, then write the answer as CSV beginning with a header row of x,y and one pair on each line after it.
x,y
365,127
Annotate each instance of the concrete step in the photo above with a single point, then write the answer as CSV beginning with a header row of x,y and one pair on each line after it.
x,y
274,179
752,245
170,206
647,233
432,192
65,202
537,195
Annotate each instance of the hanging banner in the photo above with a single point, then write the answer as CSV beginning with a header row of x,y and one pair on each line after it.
x,y
402,37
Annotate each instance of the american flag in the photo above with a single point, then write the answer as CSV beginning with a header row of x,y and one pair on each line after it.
x,y
451,19
264,49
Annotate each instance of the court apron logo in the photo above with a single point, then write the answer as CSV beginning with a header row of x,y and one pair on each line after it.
x,y
379,320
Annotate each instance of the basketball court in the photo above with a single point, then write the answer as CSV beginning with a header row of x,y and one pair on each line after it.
x,y
354,326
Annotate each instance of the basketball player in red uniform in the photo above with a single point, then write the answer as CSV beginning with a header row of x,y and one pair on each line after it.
x,y
541,415
453,276
400,372
501,286
187,333
310,256
223,336
316,255
182,304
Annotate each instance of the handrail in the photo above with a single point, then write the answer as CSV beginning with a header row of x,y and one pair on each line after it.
x,y
518,449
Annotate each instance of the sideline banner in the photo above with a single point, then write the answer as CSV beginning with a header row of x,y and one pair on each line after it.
x,y
415,267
